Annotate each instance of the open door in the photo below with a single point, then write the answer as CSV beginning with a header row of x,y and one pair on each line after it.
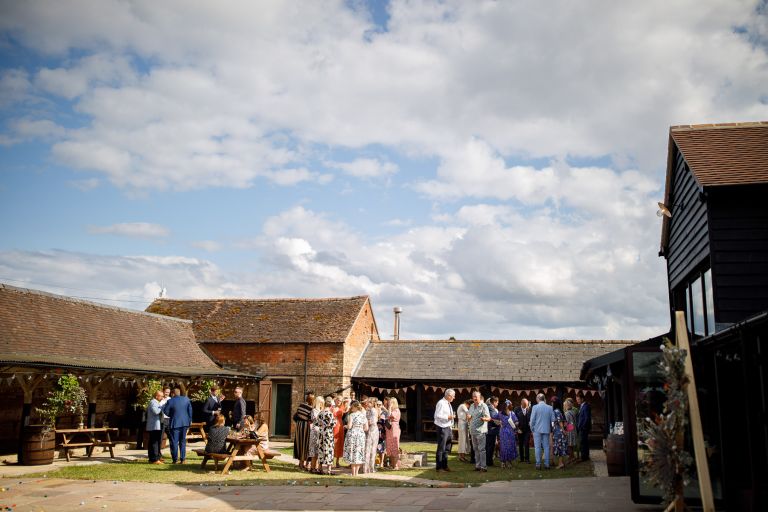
x,y
264,409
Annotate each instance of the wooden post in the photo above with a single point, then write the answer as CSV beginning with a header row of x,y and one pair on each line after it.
x,y
419,424
92,387
700,451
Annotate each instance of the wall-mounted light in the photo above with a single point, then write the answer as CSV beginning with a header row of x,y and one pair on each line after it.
x,y
666,211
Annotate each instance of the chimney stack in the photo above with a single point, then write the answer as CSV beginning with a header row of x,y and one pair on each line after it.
x,y
397,311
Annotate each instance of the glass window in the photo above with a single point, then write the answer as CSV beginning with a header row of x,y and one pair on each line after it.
x,y
697,306
709,296
688,315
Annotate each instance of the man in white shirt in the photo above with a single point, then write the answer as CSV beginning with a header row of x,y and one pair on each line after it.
x,y
444,430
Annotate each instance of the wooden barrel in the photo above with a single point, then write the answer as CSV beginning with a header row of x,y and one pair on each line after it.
x,y
37,448
615,455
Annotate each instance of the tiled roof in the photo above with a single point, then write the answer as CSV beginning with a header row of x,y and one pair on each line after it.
x,y
724,154
38,328
266,320
482,360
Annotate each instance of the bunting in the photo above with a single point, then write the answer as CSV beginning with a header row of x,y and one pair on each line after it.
x,y
465,389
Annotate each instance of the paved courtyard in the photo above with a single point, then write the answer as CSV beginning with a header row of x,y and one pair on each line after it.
x,y
22,491
576,494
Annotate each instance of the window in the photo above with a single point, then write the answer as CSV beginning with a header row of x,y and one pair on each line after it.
x,y
710,302
699,304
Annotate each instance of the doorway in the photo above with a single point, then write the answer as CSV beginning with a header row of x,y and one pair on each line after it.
x,y
281,407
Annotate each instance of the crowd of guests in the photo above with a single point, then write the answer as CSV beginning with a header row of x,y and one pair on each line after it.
x,y
172,414
365,433
487,430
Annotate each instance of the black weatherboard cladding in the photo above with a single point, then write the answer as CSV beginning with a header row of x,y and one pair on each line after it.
x,y
688,231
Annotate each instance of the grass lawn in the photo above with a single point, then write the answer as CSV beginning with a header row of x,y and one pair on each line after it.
x,y
464,472
284,473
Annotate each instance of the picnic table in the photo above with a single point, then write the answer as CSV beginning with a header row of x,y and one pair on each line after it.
x,y
237,450
88,438
196,430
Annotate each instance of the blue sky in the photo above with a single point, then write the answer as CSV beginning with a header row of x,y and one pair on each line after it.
x,y
452,158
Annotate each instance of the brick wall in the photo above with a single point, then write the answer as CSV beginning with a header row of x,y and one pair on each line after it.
x,y
363,330
284,362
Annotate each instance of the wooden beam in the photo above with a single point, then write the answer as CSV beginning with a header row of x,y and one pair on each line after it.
x,y
700,450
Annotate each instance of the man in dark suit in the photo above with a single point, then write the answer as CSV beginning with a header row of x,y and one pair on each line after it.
x,y
238,411
583,426
179,412
523,414
212,407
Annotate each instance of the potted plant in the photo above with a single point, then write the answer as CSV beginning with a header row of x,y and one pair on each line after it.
x,y
40,440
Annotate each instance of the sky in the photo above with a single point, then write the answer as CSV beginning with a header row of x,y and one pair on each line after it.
x,y
491,167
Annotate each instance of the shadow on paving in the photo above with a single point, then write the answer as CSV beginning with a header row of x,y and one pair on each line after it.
x,y
578,494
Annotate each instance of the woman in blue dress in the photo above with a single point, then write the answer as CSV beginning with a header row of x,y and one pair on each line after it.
x,y
507,435
559,439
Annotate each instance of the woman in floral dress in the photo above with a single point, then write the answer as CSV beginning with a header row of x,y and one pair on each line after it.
x,y
507,435
354,444
372,436
381,448
570,429
559,440
314,429
327,422
393,434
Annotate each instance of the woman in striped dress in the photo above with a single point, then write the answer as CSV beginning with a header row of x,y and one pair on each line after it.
x,y
303,419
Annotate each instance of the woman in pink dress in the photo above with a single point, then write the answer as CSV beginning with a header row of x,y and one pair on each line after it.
x,y
393,434
338,429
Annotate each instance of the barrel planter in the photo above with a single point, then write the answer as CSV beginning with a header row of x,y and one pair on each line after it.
x,y
37,448
615,457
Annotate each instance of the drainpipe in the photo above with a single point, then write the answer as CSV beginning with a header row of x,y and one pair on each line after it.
x,y
306,351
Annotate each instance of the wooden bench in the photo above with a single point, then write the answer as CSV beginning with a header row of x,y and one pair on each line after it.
x,y
216,457
196,431
68,436
237,454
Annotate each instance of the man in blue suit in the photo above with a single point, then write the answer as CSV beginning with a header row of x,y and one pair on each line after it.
x,y
583,426
542,418
179,412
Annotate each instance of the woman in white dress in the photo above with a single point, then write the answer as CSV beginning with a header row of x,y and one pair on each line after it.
x,y
462,413
372,436
354,444
314,435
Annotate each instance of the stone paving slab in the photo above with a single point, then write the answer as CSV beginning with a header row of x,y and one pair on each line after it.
x,y
579,494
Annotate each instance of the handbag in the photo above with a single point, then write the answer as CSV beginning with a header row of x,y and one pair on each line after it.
x,y
570,427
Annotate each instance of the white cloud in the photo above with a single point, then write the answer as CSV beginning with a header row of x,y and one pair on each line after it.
x,y
207,245
15,87
365,167
166,109
131,229
127,281
491,271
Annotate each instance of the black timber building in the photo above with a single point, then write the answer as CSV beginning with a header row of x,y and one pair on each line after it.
x,y
715,243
